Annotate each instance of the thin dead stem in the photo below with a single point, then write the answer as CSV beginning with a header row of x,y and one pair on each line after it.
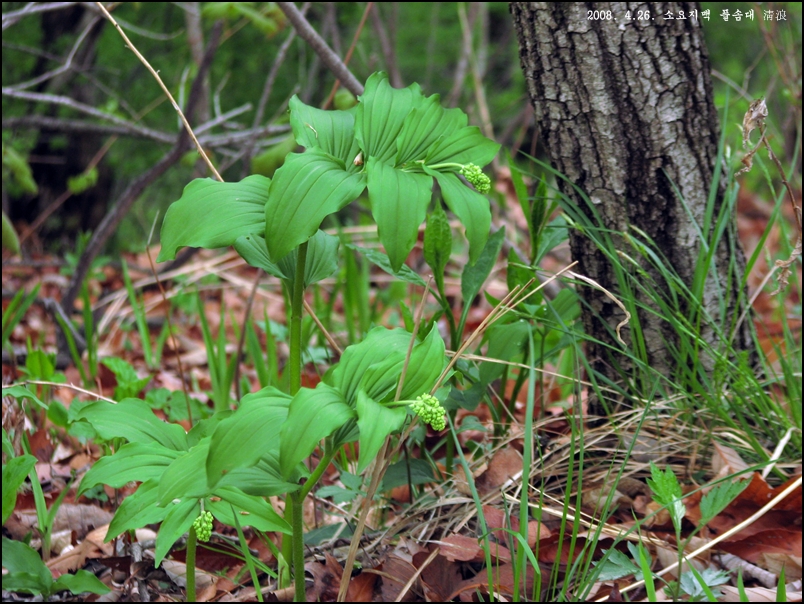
x,y
164,88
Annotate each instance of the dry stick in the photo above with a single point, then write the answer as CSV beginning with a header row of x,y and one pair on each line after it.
x,y
735,529
163,87
379,464
71,386
317,43
137,186
418,572
330,339
348,56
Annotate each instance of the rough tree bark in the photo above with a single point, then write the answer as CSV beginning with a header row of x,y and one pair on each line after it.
x,y
623,109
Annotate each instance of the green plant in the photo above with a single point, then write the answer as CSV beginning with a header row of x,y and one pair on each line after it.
x,y
27,573
15,311
396,144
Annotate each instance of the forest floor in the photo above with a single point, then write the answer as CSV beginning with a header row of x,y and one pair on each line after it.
x,y
423,541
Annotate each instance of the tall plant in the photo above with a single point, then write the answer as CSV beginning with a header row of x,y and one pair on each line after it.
x,y
395,143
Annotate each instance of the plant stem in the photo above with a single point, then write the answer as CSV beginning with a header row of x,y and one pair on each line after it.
x,y
190,565
297,303
295,367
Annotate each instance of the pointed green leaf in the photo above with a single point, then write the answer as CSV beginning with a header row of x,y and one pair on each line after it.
x,y
423,126
133,461
178,521
464,146
253,250
82,581
427,361
258,512
330,131
313,415
376,421
381,114
214,214
263,479
471,208
21,392
14,473
322,259
19,557
307,189
248,434
185,477
379,344
475,275
438,244
133,420
137,510
405,273
399,203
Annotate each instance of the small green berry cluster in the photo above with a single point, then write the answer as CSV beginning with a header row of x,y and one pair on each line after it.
x,y
430,411
203,526
476,178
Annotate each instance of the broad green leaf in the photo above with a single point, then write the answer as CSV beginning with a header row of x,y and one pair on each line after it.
x,y
505,342
322,260
39,365
214,214
21,558
134,461
26,583
464,146
14,473
405,273
263,479
474,276
330,131
381,114
423,126
10,240
21,392
251,510
438,244
307,189
82,581
427,361
185,477
133,420
399,203
178,521
376,421
313,415
379,344
253,250
471,208
248,434
137,510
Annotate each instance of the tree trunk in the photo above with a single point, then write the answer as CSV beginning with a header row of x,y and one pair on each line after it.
x,y
625,112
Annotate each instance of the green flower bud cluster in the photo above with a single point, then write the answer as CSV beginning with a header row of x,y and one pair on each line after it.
x,y
203,526
475,176
430,411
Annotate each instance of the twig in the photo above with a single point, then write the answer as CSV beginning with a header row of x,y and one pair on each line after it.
x,y
213,43
317,43
32,8
69,125
349,52
387,48
68,62
266,92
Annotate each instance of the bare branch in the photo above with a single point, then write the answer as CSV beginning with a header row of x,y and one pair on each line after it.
x,y
317,43
32,8
387,48
154,73
68,125
39,97
68,62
